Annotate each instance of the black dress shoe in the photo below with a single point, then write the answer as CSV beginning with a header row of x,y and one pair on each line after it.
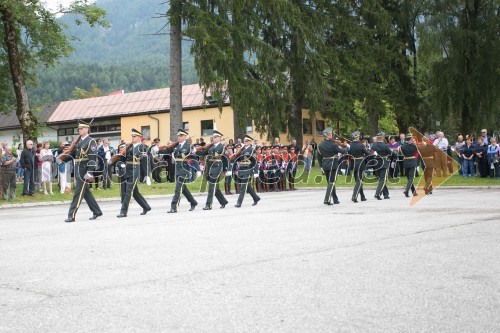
x,y
255,202
207,208
354,200
415,194
238,205
363,199
121,215
145,211
223,206
336,202
327,203
69,219
406,194
193,206
95,216
387,197
172,211
378,197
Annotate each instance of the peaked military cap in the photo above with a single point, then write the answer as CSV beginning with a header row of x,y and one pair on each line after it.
x,y
217,133
136,132
409,136
355,134
247,138
381,134
82,124
122,145
182,132
327,130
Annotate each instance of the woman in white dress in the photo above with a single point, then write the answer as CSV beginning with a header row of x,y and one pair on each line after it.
x,y
46,157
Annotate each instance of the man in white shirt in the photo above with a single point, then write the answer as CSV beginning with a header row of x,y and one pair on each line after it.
x,y
441,157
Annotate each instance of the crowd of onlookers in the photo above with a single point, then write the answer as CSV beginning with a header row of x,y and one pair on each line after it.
x,y
38,167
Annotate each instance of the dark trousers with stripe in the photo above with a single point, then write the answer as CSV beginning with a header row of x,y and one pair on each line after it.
x,y
410,175
82,192
331,178
131,189
382,179
214,190
180,186
358,172
245,181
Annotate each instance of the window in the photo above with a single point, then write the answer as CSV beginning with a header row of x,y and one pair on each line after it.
x,y
146,132
207,127
320,127
66,131
185,126
306,126
249,125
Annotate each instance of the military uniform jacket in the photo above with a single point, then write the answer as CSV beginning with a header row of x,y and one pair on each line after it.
x,y
328,154
358,152
247,163
180,154
217,161
384,152
133,160
427,152
408,150
85,156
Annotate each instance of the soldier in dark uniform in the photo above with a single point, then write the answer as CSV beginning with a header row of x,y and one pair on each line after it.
x,y
409,151
247,167
427,151
85,158
216,165
180,152
384,152
133,155
358,152
328,151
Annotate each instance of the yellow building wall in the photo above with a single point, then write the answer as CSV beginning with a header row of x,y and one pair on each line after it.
x,y
223,121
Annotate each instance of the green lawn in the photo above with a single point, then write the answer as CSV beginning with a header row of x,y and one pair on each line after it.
x,y
315,179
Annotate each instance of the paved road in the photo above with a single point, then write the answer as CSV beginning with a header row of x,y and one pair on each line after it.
x,y
289,264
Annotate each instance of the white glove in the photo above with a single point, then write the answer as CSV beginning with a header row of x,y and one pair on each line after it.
x,y
228,173
198,173
255,175
87,176
148,181
122,166
109,162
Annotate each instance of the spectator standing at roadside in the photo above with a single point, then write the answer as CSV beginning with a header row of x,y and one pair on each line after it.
x,y
20,173
28,164
46,157
9,168
64,168
468,152
484,135
493,156
38,167
458,147
2,151
105,152
314,146
482,162
307,154
441,158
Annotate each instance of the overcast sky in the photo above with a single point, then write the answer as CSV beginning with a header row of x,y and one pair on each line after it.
x,y
52,4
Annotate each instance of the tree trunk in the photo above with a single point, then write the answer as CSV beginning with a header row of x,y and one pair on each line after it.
x,y
373,118
239,129
295,119
26,118
175,68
